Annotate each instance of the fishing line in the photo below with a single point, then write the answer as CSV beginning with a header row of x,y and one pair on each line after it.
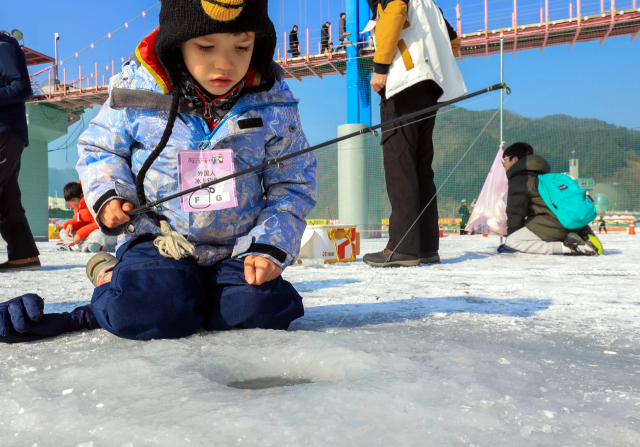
x,y
445,181
405,235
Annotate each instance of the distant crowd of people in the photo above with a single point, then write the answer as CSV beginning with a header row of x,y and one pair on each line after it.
x,y
326,44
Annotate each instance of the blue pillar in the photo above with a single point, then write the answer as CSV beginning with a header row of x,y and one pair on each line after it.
x,y
358,76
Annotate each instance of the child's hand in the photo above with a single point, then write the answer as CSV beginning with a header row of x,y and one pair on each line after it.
x,y
76,239
113,213
68,229
259,270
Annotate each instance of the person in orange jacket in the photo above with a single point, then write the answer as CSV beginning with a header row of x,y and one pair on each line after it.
x,y
81,232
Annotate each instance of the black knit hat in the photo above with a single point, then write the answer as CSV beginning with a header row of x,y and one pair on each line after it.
x,y
182,20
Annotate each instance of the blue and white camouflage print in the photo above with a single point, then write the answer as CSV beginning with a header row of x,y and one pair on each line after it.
x,y
272,204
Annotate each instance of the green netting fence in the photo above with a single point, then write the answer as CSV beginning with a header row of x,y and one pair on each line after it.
x,y
602,157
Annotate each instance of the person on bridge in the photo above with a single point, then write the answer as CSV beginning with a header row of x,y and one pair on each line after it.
x,y
412,70
203,86
294,44
325,38
342,29
15,90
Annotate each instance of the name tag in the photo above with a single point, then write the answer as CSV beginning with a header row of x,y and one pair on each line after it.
x,y
199,167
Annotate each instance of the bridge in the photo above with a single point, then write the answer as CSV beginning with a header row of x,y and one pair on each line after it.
x,y
74,94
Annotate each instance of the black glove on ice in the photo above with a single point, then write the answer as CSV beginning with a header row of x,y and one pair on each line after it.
x,y
23,319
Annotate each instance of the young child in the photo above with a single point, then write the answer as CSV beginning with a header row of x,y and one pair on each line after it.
x,y
81,232
531,226
204,81
602,225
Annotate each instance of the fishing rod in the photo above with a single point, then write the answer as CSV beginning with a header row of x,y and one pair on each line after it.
x,y
278,161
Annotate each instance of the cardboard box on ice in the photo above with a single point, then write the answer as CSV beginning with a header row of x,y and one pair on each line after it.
x,y
332,243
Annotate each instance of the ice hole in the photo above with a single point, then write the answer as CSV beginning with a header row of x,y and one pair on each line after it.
x,y
262,383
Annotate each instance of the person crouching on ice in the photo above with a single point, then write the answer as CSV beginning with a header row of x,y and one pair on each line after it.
x,y
531,225
204,81
81,232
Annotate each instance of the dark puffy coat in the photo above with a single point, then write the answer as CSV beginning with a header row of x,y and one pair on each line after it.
x,y
464,213
15,88
324,37
293,40
525,206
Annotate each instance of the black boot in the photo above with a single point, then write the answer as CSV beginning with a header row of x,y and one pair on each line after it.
x,y
578,246
429,257
587,235
9,267
387,258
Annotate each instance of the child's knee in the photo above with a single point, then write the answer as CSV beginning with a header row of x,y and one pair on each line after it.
x,y
273,305
155,298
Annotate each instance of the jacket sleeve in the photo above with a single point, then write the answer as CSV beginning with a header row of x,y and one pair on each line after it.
x,y
455,46
517,205
393,15
453,36
76,225
291,195
86,230
17,87
104,164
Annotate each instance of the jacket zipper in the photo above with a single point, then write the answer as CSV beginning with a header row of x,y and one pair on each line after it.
x,y
231,114
207,111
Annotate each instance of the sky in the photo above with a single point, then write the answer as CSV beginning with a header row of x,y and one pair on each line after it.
x,y
590,81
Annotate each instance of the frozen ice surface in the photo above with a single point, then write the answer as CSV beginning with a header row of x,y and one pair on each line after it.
x,y
481,350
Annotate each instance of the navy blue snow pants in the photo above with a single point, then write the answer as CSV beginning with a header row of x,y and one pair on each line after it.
x,y
151,296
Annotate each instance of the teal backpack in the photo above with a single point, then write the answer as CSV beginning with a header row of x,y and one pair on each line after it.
x,y
567,200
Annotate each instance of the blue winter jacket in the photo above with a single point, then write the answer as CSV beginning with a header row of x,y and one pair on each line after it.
x,y
272,203
15,88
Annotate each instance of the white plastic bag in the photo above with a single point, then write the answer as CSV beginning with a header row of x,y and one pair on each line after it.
x,y
489,215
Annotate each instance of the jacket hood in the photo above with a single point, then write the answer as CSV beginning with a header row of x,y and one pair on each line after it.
x,y
5,38
10,40
82,204
530,163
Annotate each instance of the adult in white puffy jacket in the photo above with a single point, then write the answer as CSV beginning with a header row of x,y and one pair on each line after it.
x,y
415,67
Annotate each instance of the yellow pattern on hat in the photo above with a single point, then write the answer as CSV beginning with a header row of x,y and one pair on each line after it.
x,y
223,10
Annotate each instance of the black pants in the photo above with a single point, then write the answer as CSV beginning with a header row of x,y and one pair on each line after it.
x,y
408,153
14,227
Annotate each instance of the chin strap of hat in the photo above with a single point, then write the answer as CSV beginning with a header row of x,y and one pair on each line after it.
x,y
171,244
